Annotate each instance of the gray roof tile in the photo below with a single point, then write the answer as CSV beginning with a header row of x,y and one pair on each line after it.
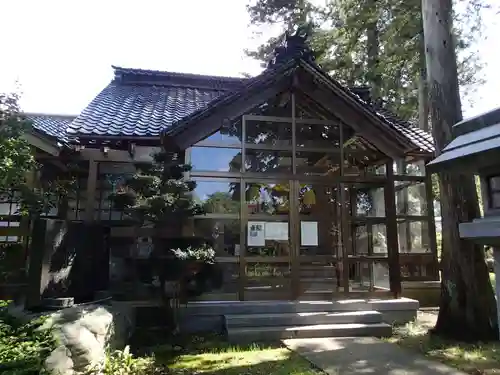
x,y
142,103
53,126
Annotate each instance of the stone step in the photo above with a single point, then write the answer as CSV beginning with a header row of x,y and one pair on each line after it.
x,y
269,334
152,316
301,319
284,307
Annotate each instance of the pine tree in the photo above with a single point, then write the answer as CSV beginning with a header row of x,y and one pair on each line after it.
x,y
159,196
16,159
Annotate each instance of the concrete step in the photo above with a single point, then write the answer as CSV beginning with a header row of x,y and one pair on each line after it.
x,y
269,334
284,307
301,319
152,316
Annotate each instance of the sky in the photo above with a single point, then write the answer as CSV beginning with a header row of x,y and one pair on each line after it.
x,y
60,52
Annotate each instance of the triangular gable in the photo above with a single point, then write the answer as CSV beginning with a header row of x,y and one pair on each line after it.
x,y
330,94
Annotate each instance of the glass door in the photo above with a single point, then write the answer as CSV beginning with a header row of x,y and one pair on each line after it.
x,y
268,241
320,252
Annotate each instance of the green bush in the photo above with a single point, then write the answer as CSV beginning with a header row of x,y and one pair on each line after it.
x,y
122,362
23,348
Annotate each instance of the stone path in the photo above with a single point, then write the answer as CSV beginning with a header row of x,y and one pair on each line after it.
x,y
365,355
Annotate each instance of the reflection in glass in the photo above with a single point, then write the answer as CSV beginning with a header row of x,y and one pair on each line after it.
x,y
407,168
267,198
267,275
317,164
215,159
260,161
319,204
317,136
218,196
370,202
416,271
379,239
413,236
224,234
267,238
410,198
230,135
268,133
376,170
380,273
361,241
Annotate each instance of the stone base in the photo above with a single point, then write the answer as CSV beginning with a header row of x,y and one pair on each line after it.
x,y
427,293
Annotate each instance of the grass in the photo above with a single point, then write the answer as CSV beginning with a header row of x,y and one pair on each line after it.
x,y
471,358
213,356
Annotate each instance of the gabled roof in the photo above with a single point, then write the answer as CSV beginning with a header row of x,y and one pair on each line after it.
x,y
139,103
50,125
410,135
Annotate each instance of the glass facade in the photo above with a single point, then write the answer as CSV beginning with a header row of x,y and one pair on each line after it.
x,y
302,216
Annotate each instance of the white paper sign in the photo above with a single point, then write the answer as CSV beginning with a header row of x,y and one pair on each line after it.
x,y
308,233
255,233
277,231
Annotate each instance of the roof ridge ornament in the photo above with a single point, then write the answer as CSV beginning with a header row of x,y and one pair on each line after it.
x,y
293,46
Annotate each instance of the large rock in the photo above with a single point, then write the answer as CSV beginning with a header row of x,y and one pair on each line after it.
x,y
59,362
84,333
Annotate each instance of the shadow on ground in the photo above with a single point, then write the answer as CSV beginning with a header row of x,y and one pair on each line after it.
x,y
365,355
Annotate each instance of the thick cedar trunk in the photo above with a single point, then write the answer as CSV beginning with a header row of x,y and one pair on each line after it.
x,y
423,90
467,309
373,47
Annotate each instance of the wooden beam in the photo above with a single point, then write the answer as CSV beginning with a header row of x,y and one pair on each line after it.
x,y
42,144
392,232
141,155
12,231
133,232
335,88
91,191
234,108
379,138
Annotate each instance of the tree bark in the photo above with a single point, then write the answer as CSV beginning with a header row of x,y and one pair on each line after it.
x,y
373,50
423,90
467,309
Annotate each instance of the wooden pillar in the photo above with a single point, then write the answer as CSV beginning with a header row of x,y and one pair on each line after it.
x,y
91,190
294,213
243,217
392,233
25,223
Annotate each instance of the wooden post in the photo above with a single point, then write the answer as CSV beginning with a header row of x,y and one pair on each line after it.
x,y
392,232
294,213
25,223
91,190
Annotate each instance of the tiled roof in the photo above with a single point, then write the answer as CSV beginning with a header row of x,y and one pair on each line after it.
x,y
420,138
140,103
416,137
50,125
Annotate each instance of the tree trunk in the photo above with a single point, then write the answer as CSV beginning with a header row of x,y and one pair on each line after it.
x,y
467,308
373,49
423,90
